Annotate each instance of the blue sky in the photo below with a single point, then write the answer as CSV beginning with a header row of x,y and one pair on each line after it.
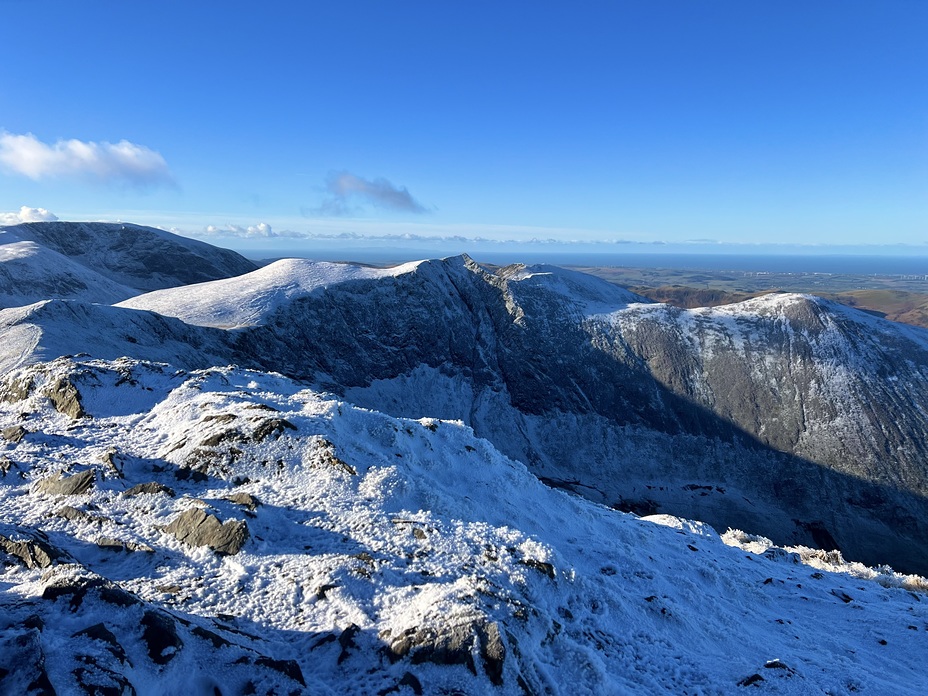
x,y
305,123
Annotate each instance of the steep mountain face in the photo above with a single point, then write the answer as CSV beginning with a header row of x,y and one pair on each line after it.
x,y
230,531
784,415
103,262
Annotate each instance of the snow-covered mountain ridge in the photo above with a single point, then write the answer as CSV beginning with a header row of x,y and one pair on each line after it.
x,y
103,262
370,554
786,415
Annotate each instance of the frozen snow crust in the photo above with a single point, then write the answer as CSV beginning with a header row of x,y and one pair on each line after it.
x,y
382,555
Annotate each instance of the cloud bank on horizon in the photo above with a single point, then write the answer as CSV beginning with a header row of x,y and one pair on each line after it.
x,y
347,192
121,162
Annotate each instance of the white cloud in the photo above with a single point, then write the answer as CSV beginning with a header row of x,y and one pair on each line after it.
x,y
345,187
123,161
262,230
27,214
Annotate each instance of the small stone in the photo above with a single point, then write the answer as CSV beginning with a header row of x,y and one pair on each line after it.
x,y
151,488
246,500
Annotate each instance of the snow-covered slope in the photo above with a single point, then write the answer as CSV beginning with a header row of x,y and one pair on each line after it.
x,y
46,330
30,272
103,262
367,554
785,415
250,299
780,416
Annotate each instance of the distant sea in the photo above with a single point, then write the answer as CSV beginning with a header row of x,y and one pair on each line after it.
x,y
843,264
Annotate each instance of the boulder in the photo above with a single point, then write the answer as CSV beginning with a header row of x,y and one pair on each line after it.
x,y
197,528
14,433
65,398
67,485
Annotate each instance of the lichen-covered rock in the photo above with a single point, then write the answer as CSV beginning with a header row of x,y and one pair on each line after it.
x,y
67,485
197,528
151,488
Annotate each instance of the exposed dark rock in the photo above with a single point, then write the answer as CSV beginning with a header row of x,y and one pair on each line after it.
x,y
22,659
453,645
160,635
14,433
232,435
65,398
75,515
493,652
346,639
77,588
15,390
540,566
96,680
77,484
151,488
6,464
34,551
197,528
110,459
289,668
246,500
217,640
271,426
119,545
100,632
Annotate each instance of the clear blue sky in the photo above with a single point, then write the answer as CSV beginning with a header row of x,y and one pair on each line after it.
x,y
737,121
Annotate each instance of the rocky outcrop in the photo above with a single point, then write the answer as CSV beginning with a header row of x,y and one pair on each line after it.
x,y
452,644
32,550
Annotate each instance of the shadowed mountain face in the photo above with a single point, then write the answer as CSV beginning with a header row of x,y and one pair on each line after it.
x,y
103,262
785,415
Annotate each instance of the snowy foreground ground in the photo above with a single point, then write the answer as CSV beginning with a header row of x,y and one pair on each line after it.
x,y
383,555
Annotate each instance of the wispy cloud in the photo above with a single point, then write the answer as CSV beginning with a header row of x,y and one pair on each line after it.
x,y
122,162
348,194
27,214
